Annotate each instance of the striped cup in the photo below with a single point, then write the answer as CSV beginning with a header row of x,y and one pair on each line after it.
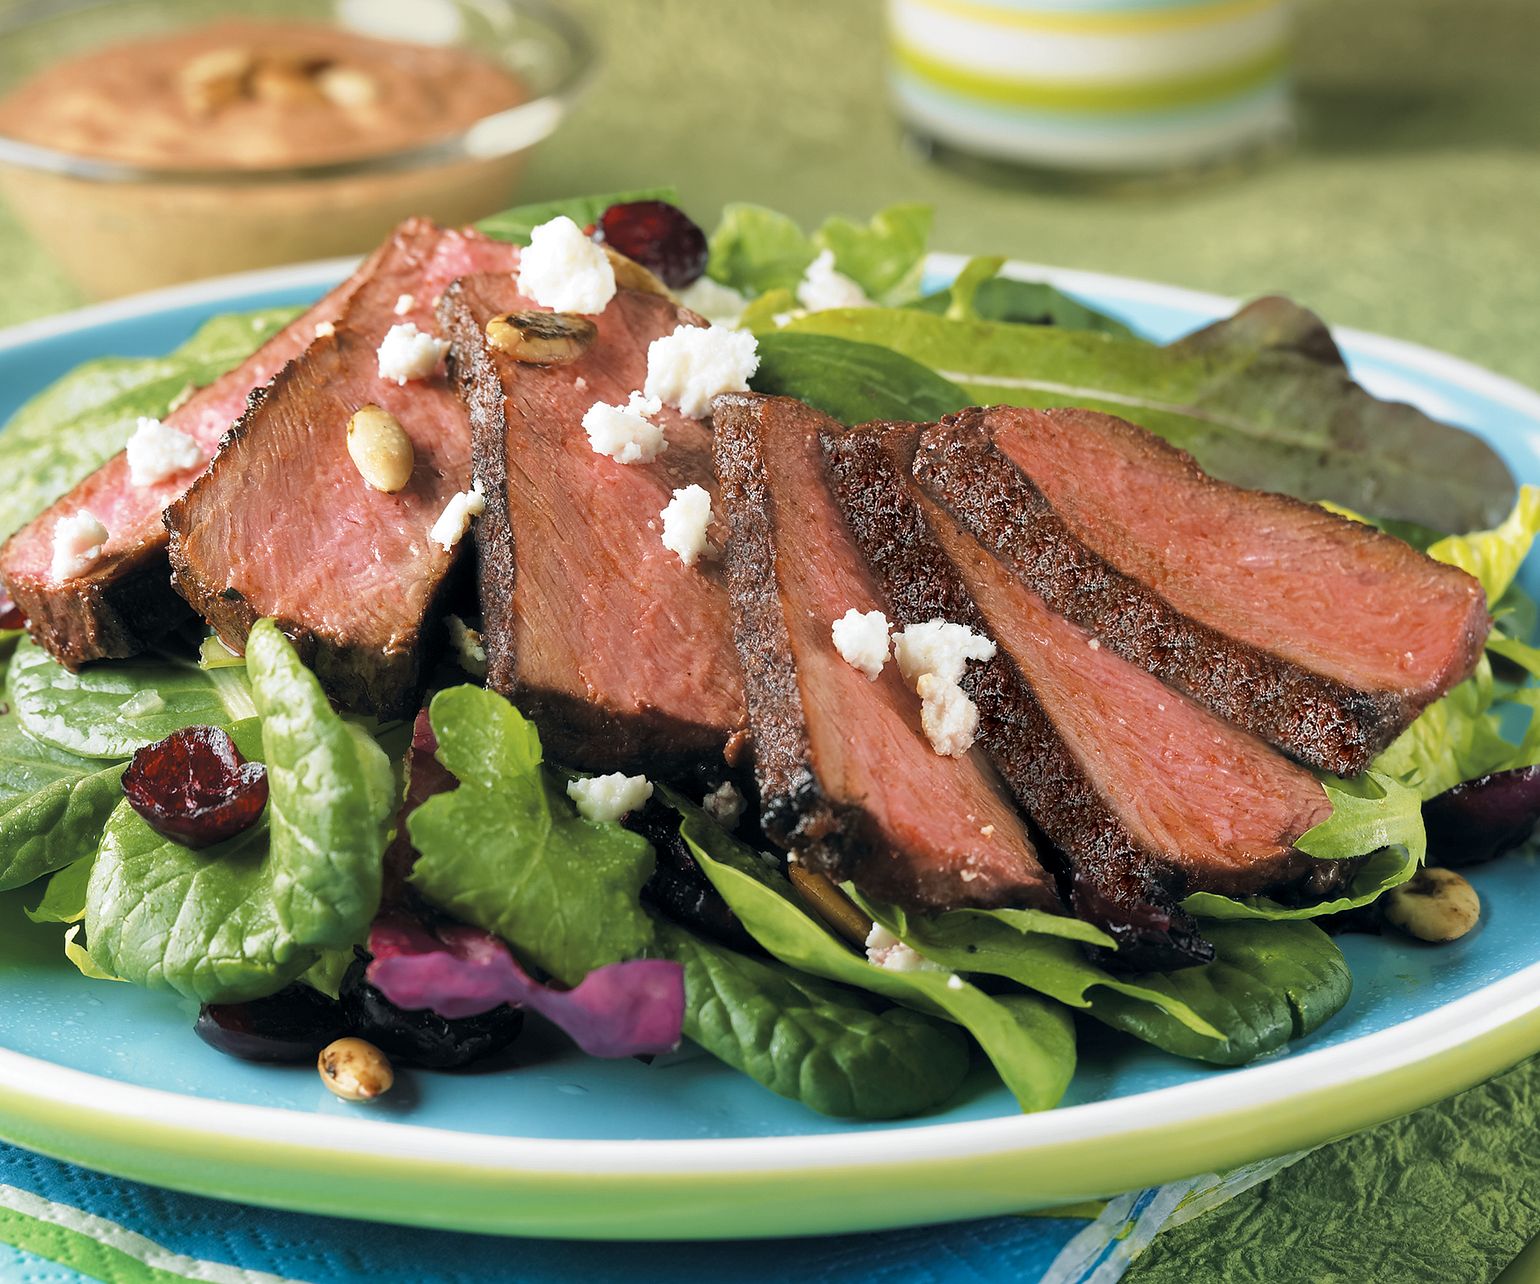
x,y
1115,86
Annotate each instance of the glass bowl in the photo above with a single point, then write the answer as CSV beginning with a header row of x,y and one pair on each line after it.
x,y
117,228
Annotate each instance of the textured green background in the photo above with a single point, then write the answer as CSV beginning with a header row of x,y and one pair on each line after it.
x,y
1410,205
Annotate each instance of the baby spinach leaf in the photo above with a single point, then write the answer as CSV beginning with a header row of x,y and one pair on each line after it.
x,y
110,710
75,425
1251,411
885,256
1268,983
506,852
755,249
828,1047
854,382
1030,1041
517,223
244,918
980,295
53,805
1030,948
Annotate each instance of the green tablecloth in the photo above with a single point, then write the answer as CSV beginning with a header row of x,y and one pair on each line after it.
x,y
1409,207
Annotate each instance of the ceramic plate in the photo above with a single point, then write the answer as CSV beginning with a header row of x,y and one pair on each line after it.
x,y
113,1078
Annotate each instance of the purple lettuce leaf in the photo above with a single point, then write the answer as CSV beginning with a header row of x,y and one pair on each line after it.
x,y
621,1010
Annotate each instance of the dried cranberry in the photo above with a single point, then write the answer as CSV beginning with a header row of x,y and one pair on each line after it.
x,y
423,1038
195,787
290,1026
10,614
659,236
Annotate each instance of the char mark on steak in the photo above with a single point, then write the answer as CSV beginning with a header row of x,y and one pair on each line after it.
x,y
620,653
283,525
848,781
1147,795
1315,632
124,601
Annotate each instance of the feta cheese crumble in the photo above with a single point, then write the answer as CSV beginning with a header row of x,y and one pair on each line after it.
x,y
887,951
407,353
77,543
466,644
725,805
626,433
325,330
405,304
156,452
949,719
608,798
695,363
455,520
822,287
719,304
564,270
862,641
685,521
940,647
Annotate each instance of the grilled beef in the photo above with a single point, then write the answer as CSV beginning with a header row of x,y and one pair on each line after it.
x,y
125,600
1147,794
847,778
283,525
1317,633
620,653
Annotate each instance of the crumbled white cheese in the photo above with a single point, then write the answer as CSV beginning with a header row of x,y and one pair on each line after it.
x,y
407,353
862,641
405,304
564,270
77,542
156,452
887,951
609,797
455,520
325,330
685,521
626,433
466,643
949,719
1095,644
719,304
823,287
955,982
695,363
939,647
724,804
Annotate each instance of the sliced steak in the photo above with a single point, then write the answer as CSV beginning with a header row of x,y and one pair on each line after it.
x,y
125,600
1147,794
282,523
847,778
620,653
1318,633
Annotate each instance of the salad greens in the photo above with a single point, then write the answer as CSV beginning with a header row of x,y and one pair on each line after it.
x,y
80,422
1262,397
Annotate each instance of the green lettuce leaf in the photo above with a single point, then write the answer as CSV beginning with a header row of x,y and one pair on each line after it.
x,y
854,382
755,250
1263,412
886,256
517,223
979,294
1375,814
826,1046
79,422
110,710
1494,556
507,851
64,897
244,918
1269,983
1030,1041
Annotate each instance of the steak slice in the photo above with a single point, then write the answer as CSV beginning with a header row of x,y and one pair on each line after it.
x,y
282,523
125,600
620,653
1318,633
847,779
1147,794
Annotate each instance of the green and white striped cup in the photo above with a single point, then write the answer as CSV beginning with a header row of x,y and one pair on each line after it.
x,y
1122,86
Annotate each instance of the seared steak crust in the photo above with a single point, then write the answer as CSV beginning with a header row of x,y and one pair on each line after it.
x,y
1128,883
847,780
1320,719
620,654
